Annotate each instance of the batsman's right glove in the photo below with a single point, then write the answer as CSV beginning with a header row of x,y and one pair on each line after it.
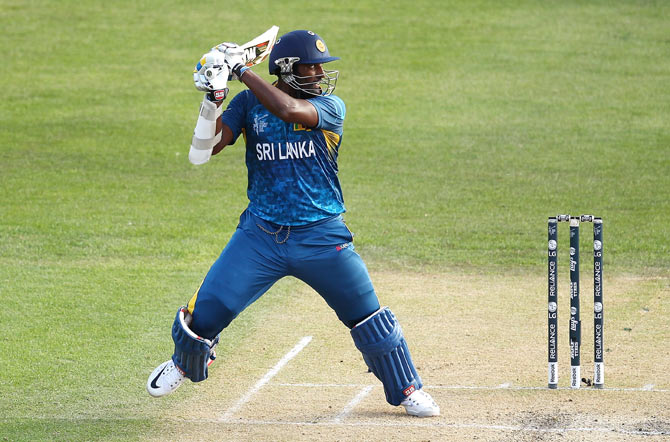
x,y
234,58
211,75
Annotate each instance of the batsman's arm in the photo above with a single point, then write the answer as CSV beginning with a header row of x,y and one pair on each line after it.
x,y
210,135
281,104
226,135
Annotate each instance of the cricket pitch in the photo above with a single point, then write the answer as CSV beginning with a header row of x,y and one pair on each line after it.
x,y
479,344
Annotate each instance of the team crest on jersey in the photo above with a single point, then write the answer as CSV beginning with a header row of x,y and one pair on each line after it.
x,y
260,124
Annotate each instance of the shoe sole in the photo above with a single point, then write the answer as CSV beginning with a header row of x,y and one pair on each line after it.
x,y
428,414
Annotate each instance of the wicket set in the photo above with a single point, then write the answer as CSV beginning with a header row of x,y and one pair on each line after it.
x,y
575,321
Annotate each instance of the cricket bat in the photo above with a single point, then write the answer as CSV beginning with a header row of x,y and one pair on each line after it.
x,y
258,49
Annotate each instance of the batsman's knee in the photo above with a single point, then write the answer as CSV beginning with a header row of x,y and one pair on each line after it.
x,y
210,315
191,352
379,338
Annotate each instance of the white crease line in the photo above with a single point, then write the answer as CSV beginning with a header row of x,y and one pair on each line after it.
x,y
352,404
506,386
265,379
309,384
406,424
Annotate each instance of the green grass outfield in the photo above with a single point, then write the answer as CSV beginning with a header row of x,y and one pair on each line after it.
x,y
468,123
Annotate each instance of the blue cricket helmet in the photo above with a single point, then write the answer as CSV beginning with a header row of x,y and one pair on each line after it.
x,y
306,46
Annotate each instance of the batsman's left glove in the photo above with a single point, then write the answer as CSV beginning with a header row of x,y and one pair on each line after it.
x,y
211,75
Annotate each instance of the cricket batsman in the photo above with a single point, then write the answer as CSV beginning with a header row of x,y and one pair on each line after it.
x,y
293,224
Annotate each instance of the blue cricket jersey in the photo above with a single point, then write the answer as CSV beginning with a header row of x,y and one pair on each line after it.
x,y
292,169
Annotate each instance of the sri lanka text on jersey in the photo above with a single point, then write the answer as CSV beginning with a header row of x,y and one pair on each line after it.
x,y
284,151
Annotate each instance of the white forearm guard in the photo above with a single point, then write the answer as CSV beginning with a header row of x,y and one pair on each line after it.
x,y
204,135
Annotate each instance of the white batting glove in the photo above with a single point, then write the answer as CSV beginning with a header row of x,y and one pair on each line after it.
x,y
211,75
234,57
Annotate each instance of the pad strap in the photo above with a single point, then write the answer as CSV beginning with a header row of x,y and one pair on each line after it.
x,y
379,338
191,352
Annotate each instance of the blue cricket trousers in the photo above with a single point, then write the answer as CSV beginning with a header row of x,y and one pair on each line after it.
x,y
320,254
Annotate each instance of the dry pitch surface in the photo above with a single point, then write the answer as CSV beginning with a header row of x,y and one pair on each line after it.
x,y
479,344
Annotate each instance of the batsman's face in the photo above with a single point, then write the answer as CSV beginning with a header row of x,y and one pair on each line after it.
x,y
309,76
